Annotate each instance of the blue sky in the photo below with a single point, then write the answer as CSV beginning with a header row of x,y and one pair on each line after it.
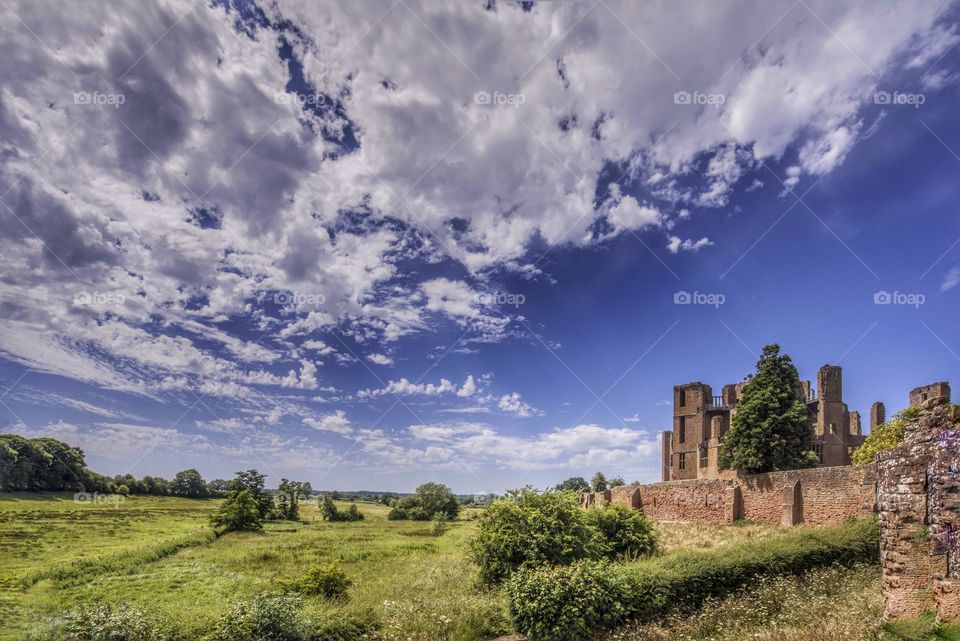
x,y
371,246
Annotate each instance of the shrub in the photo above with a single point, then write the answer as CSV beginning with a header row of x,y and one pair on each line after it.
x,y
885,437
540,598
566,602
266,617
397,513
123,490
327,581
329,511
531,529
238,513
440,525
106,623
624,533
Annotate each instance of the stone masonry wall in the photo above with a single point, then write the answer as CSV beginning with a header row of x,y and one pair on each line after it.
x,y
826,495
918,492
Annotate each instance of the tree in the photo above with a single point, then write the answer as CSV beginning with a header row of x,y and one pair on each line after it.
x,y
599,482
437,498
217,487
253,481
617,481
574,484
238,513
288,498
771,427
40,464
188,483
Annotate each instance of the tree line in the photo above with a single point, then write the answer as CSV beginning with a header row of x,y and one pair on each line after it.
x,y
49,465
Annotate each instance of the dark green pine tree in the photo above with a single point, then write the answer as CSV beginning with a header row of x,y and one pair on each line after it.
x,y
771,427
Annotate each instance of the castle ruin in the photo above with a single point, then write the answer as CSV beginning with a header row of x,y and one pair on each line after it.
x,y
700,420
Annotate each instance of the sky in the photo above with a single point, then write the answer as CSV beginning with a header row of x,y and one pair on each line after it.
x,y
374,244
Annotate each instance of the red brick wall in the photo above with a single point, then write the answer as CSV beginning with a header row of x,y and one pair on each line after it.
x,y
829,495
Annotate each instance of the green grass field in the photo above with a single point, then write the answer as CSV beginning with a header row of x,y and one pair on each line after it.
x,y
158,555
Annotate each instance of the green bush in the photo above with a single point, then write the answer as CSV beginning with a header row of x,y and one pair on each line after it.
x,y
530,528
648,589
884,437
106,623
238,513
440,524
556,603
329,511
266,617
397,513
624,533
327,581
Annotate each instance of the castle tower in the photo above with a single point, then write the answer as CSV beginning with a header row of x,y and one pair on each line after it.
x,y
832,429
878,415
928,393
855,428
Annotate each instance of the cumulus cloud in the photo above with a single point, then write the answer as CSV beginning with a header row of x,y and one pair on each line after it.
x,y
380,359
336,422
675,244
514,404
404,387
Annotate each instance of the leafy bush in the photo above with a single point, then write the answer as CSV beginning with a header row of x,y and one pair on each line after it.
x,y
624,533
327,581
429,500
566,602
540,598
885,437
266,617
440,525
329,511
238,513
529,528
106,623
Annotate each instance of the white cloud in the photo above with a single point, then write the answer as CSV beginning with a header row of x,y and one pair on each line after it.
x,y
950,280
514,404
336,422
307,378
583,447
468,388
675,245
380,359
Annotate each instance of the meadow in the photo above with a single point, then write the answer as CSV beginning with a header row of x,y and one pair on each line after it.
x,y
158,554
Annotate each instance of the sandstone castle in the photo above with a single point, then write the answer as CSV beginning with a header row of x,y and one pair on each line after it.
x,y
914,488
700,420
